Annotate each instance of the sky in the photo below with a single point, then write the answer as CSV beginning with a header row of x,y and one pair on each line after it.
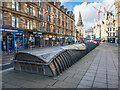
x,y
88,13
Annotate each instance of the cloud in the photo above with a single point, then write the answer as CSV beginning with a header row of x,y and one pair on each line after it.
x,y
89,14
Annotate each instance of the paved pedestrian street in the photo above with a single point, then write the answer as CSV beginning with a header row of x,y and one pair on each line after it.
x,y
98,69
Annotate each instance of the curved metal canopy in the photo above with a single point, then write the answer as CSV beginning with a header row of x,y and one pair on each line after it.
x,y
52,61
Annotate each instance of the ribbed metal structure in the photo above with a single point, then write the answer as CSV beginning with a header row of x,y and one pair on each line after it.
x,y
53,62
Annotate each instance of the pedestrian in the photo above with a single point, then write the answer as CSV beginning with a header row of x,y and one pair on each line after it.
x,y
69,42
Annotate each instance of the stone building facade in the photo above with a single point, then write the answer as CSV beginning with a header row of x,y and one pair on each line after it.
x,y
108,31
117,18
35,24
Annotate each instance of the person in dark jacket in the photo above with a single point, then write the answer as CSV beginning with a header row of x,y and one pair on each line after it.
x,y
69,42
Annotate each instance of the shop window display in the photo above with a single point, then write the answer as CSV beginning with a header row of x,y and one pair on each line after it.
x,y
18,42
12,39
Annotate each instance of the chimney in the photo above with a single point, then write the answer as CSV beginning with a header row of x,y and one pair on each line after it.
x,y
58,4
65,10
68,13
62,7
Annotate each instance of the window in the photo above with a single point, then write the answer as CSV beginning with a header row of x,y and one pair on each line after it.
x,y
113,34
1,3
66,25
72,33
59,14
63,31
17,22
66,18
110,29
54,20
40,3
41,26
48,18
54,11
113,29
37,25
59,31
58,21
54,29
66,31
71,22
119,9
40,14
110,34
48,28
29,24
48,8
30,10
15,5
62,16
63,23
71,27
1,17
13,21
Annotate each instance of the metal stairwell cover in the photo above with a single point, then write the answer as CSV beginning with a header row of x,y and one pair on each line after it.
x,y
51,61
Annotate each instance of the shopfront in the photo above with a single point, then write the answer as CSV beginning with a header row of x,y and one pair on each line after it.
x,y
34,40
111,39
60,39
39,39
12,39
50,39
66,39
72,39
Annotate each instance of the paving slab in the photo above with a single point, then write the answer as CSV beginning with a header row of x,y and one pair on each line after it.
x,y
98,69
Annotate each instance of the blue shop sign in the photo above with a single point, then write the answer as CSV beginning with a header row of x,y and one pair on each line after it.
x,y
11,30
71,37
